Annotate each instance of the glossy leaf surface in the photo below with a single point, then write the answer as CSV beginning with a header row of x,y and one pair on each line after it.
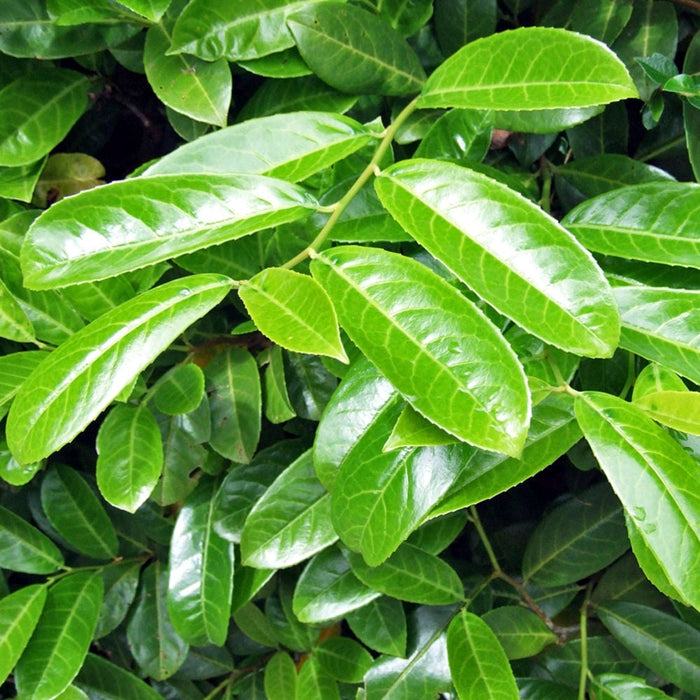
x,y
495,73
96,364
181,390
439,367
508,250
108,680
381,625
158,218
24,548
519,631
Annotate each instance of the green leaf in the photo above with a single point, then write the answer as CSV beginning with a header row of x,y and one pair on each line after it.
x,y
528,68
281,64
655,378
478,663
180,390
625,580
12,471
510,253
412,575
40,107
278,407
24,548
198,89
576,539
679,410
309,384
247,581
293,311
691,115
280,676
651,475
602,19
19,614
430,363
120,583
150,9
662,325
654,222
460,134
233,388
201,571
355,51
618,686
184,214
327,589
65,174
108,681
457,22
77,514
519,631
94,365
157,647
291,521
14,369
411,430
253,623
381,625
14,323
62,637
343,659
662,642
314,684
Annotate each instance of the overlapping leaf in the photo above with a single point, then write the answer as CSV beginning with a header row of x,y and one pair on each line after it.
x,y
381,625
507,250
24,548
439,362
94,365
519,631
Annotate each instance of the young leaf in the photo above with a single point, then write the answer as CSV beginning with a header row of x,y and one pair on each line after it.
x,y
62,637
102,678
510,252
158,218
679,410
355,51
77,514
519,631
19,614
432,360
293,311
478,663
24,548
654,222
650,473
291,521
88,371
381,625
529,68
201,571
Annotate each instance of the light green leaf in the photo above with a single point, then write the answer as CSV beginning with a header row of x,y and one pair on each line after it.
x,y
412,575
654,222
65,174
679,410
62,637
662,642
198,89
618,686
328,589
294,311
291,521
479,666
655,378
76,513
94,365
12,471
429,358
662,325
381,625
512,254
19,614
519,631
529,68
14,323
278,407
280,676
129,456
24,548
281,64
150,9
577,538
655,479
14,369
157,647
355,51
233,388
247,581
201,571
39,109
411,430
343,659
19,182
158,218
180,390
108,681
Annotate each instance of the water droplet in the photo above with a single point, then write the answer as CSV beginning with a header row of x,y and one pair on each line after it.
x,y
649,528
185,292
639,513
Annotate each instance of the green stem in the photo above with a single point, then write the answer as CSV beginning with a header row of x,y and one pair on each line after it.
x,y
583,676
631,375
546,173
340,206
485,540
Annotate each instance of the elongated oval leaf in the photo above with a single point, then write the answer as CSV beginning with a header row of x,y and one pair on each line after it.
x,y
19,614
24,548
39,108
86,238
280,676
655,222
512,254
519,631
294,311
62,637
77,514
201,571
619,686
529,68
656,480
291,521
102,678
381,625
453,367
88,371
355,51
480,668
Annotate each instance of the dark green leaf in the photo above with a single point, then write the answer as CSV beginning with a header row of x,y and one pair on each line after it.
x,y
602,19
457,22
519,631
105,680
24,548
343,659
381,625
309,384
691,115
624,580
253,623
314,683
120,583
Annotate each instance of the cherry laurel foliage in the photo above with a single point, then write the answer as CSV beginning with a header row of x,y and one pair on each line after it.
x,y
350,349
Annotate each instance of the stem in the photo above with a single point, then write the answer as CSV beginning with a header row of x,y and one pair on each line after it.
x,y
584,645
546,173
340,206
631,376
692,4
485,541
